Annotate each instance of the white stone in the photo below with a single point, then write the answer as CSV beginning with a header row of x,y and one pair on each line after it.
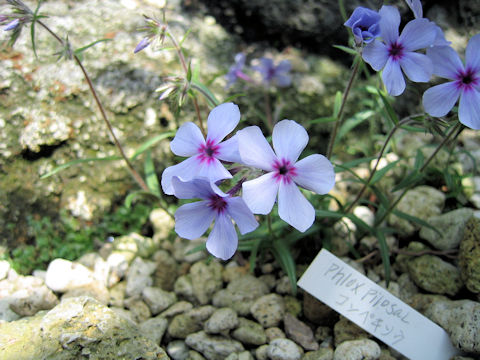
x,y
63,275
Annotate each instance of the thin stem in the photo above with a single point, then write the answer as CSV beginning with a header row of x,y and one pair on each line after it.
x,y
333,136
380,155
183,62
458,127
269,224
134,173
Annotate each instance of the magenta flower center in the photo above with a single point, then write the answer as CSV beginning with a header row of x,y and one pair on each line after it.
x,y
208,151
217,203
284,170
395,51
467,79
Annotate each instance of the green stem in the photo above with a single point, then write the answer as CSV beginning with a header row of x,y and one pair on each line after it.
x,y
380,155
457,128
333,136
130,167
268,110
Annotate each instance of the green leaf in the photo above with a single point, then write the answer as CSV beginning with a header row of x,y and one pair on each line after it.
x,y
35,17
253,253
189,72
381,173
284,257
385,254
149,143
351,164
75,162
390,112
133,195
77,52
234,96
419,160
415,219
353,122
184,37
337,104
150,175
409,180
323,120
212,100
345,49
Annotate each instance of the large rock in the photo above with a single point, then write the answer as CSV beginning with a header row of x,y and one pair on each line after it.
x,y
469,256
76,328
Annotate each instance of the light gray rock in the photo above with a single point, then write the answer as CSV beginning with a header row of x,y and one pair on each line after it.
x,y
139,310
222,320
274,333
431,273
63,275
206,280
320,354
183,287
183,325
213,347
461,319
158,299
299,332
162,223
284,349
450,226
262,352
154,328
268,310
177,349
363,349
4,268
139,276
177,308
244,355
201,313
249,332
422,202
166,272
240,294
95,289
75,327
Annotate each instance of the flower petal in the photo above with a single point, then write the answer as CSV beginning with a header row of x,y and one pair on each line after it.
x,y
416,7
446,62
469,109
191,168
439,99
194,189
315,173
187,140
393,78
472,53
289,139
192,220
389,23
228,150
242,215
417,67
418,34
259,194
375,54
223,240
221,121
294,208
254,148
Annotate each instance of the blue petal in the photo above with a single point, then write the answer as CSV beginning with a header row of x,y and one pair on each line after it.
x,y
254,149
228,150
259,194
416,7
393,78
223,240
194,189
242,215
472,54
439,99
294,208
289,139
417,67
446,62
418,34
469,109
375,54
192,220
187,140
389,23
221,121
315,173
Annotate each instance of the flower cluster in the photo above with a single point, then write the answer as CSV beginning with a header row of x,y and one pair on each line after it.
x,y
278,75
419,52
204,170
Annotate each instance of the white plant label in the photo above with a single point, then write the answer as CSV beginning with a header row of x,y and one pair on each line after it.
x,y
375,310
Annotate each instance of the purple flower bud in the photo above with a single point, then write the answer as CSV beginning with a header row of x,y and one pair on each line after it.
x,y
236,70
277,74
11,25
364,24
142,45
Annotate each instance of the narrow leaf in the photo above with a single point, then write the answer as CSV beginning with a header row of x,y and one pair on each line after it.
x,y
337,104
150,175
415,219
151,142
390,112
353,163
381,173
75,162
384,252
345,49
284,257
408,181
82,49
133,195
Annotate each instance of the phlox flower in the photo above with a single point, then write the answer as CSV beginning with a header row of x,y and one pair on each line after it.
x,y
204,154
416,7
283,173
236,70
364,24
396,53
11,25
274,74
142,45
192,220
464,84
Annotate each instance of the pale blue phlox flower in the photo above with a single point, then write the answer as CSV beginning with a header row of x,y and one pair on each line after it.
x,y
283,173
142,45
193,220
204,155
416,7
364,24
11,25
464,84
397,53
274,74
236,70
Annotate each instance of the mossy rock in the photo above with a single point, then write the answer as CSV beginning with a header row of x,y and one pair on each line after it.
x,y
469,255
